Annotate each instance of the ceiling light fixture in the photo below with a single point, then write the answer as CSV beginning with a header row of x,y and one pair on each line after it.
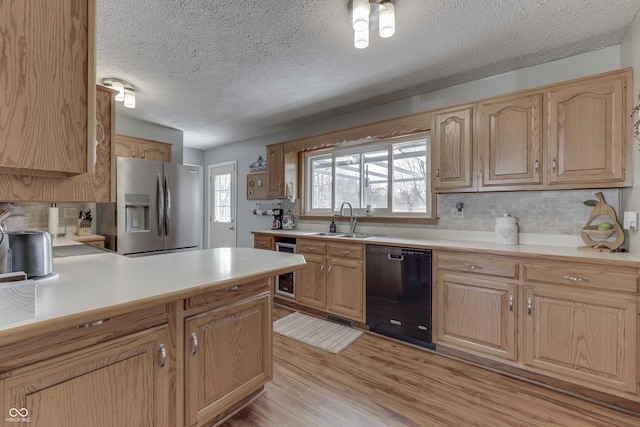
x,y
126,91
367,15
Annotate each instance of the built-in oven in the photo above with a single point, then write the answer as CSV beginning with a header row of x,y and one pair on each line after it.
x,y
286,283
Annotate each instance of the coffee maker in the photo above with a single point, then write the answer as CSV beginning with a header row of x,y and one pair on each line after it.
x,y
276,224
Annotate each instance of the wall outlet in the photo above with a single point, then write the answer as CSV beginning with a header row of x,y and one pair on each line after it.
x,y
630,220
457,214
70,213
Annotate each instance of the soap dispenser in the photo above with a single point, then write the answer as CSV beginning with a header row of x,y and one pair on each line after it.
x,y
332,226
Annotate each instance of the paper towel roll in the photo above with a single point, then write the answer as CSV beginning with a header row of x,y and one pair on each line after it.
x,y
53,220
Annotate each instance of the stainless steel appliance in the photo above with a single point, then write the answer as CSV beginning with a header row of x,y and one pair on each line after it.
x,y
286,283
399,293
158,208
30,251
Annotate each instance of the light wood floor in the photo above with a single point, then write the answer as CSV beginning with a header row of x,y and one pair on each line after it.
x,y
378,382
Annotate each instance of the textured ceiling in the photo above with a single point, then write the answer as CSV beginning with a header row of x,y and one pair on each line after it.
x,y
226,71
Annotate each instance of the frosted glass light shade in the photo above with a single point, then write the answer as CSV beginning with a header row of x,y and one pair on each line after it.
x,y
119,86
129,97
387,20
360,15
361,39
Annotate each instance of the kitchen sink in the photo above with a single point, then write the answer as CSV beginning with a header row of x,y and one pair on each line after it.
x,y
345,235
326,234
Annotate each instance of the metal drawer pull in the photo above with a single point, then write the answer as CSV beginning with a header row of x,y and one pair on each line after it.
x,y
322,270
576,279
92,324
529,305
473,267
310,248
345,252
438,173
510,302
194,342
329,270
535,167
233,288
163,355
554,165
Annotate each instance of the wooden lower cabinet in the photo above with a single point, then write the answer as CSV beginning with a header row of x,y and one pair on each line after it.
x,y
228,356
125,381
263,241
581,336
333,279
477,314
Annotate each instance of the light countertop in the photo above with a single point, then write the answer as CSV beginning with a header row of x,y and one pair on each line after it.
x,y
460,243
92,282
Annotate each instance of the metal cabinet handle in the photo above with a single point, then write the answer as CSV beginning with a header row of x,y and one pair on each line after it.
x,y
133,153
310,248
510,302
322,270
163,355
92,324
473,267
576,279
554,165
329,270
142,154
529,305
438,173
233,288
536,167
194,343
344,251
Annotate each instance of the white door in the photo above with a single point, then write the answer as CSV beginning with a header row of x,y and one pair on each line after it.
x,y
222,205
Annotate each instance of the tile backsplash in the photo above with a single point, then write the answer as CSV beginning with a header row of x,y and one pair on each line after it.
x,y
37,214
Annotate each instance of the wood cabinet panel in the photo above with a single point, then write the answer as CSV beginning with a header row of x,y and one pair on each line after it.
x,y
228,357
453,162
581,336
345,288
477,314
510,140
478,264
582,275
311,288
310,246
282,172
587,135
121,382
139,148
262,241
47,121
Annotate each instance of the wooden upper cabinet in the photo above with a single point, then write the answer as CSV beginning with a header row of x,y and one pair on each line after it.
x,y
47,122
452,149
510,140
139,148
588,131
282,172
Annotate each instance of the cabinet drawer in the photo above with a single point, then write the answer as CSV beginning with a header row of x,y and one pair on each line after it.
x,y
264,242
583,275
87,332
346,251
227,295
311,247
491,266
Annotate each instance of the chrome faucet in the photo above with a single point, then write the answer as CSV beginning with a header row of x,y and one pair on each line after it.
x,y
354,222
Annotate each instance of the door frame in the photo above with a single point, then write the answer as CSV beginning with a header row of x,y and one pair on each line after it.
x,y
234,192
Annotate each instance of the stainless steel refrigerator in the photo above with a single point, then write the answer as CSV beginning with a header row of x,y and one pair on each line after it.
x,y
158,208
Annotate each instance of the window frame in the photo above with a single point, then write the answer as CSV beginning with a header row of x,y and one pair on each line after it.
x,y
377,215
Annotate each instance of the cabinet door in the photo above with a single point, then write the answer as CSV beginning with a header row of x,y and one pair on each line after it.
x,y
122,382
345,288
228,357
275,171
151,150
452,148
587,131
311,289
581,336
510,140
47,86
261,241
126,146
477,314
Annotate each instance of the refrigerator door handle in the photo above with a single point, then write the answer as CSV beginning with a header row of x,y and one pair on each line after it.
x,y
160,205
167,190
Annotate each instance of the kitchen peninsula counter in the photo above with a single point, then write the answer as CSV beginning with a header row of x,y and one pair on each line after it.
x,y
179,339
90,283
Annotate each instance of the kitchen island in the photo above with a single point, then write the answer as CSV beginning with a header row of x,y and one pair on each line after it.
x,y
168,340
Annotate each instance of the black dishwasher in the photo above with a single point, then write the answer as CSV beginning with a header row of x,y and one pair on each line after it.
x,y
399,293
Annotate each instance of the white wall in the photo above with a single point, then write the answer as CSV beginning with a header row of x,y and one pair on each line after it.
x,y
246,152
192,156
147,130
630,56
